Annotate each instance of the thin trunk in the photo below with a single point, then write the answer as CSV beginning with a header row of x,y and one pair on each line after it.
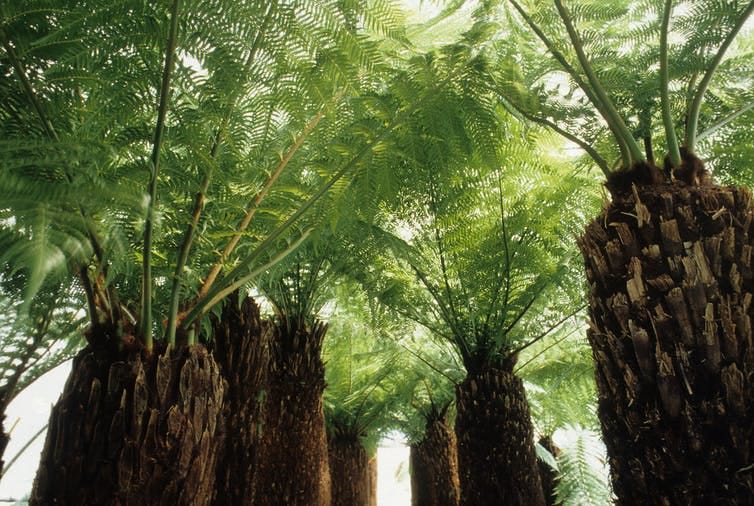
x,y
4,436
349,471
241,347
497,463
293,468
434,467
547,474
133,429
671,282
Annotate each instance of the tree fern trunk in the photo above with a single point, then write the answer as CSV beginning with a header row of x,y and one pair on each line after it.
x,y
372,480
293,468
497,463
671,283
434,467
241,347
134,430
349,472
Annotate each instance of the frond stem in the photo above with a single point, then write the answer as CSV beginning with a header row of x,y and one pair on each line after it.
x,y
612,116
667,117
145,318
230,246
696,105
188,238
585,87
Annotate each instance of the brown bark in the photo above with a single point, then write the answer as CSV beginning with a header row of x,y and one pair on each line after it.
x,y
134,430
349,471
671,283
547,474
293,467
372,501
434,467
497,463
241,348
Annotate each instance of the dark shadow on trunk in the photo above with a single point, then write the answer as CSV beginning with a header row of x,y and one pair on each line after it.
x,y
547,474
349,471
497,462
434,466
134,429
671,282
293,468
241,348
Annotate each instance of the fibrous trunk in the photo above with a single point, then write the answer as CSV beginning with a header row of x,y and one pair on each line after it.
x,y
241,348
497,462
372,481
349,471
293,467
434,467
671,283
134,429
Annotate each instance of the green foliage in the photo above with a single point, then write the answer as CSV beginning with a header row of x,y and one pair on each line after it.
x,y
582,471
363,371
38,335
559,380
540,77
482,261
259,93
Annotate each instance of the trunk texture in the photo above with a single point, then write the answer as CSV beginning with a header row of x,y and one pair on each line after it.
x,y
134,430
349,472
434,467
671,282
548,475
292,467
241,348
497,463
373,481
4,436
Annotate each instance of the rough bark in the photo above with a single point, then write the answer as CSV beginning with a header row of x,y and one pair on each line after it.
x,y
372,501
497,463
547,474
671,282
134,430
293,467
241,348
434,467
349,471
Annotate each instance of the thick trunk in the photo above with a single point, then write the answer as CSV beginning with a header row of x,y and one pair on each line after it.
x,y
134,430
292,467
241,348
373,481
547,474
434,467
497,463
671,281
349,472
